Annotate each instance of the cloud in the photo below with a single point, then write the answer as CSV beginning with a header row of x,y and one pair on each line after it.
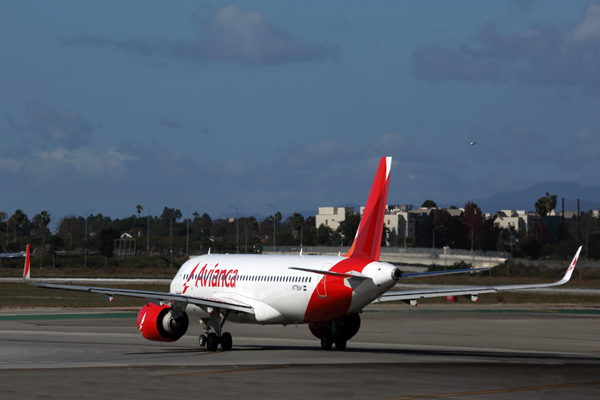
x,y
300,178
169,124
435,65
228,34
13,124
514,143
525,5
581,151
555,56
66,128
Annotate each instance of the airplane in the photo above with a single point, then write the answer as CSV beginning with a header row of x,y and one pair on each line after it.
x,y
327,293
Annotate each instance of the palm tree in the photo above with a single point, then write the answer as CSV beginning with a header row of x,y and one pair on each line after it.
x,y
139,209
18,218
545,204
42,220
543,207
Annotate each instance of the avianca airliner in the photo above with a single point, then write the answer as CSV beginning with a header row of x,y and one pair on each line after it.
x,y
325,292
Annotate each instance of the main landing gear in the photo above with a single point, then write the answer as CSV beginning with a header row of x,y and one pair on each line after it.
x,y
336,332
328,340
212,339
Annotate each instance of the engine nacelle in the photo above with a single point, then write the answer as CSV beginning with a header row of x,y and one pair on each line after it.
x,y
347,327
157,323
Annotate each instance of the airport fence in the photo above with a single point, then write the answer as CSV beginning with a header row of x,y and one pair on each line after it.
x,y
387,250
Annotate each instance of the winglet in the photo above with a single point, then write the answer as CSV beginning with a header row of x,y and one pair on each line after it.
x,y
27,269
569,272
367,242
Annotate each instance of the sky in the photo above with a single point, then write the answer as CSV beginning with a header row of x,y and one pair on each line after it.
x,y
205,106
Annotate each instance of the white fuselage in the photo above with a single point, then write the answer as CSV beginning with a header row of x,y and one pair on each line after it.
x,y
280,295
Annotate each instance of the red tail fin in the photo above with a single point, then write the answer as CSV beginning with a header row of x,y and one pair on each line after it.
x,y
368,237
26,270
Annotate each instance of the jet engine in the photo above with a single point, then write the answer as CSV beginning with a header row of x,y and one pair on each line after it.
x,y
346,327
158,323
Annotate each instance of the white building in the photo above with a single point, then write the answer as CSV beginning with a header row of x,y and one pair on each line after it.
x,y
518,219
332,216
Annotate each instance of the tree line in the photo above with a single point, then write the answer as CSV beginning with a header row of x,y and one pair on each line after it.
x,y
171,234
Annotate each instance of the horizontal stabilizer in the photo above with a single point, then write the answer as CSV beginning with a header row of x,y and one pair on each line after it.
x,y
351,274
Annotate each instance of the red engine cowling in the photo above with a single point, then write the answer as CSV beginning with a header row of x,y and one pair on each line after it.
x,y
157,323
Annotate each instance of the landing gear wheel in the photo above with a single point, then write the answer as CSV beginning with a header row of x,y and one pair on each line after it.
x,y
326,342
212,342
340,344
226,341
202,340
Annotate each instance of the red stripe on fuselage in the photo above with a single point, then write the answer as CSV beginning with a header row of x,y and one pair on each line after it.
x,y
339,296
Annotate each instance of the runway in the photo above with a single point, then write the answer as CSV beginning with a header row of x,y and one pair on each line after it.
x,y
400,352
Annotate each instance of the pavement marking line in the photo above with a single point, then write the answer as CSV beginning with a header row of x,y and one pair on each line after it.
x,y
431,396
40,317
227,371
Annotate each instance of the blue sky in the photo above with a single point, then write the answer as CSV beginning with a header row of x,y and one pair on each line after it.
x,y
106,105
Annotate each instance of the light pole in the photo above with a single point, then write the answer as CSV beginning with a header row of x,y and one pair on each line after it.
x,y
148,232
171,242
187,243
237,229
274,231
433,245
446,248
87,213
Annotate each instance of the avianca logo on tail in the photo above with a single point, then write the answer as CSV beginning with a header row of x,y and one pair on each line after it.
x,y
573,265
212,277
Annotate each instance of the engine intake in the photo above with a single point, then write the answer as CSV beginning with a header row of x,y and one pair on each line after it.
x,y
157,323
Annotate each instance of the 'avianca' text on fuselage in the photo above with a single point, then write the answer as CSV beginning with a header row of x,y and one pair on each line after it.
x,y
211,277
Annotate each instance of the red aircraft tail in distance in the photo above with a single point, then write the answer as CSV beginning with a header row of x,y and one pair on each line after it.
x,y
367,242
26,270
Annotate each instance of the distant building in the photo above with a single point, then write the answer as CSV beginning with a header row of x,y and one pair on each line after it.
x,y
518,219
414,226
332,216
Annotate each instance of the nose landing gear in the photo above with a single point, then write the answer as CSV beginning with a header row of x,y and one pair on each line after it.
x,y
212,339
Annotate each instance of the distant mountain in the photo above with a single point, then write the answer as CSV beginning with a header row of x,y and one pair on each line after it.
x,y
525,199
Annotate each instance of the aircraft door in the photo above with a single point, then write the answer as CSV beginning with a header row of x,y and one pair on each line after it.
x,y
177,283
322,285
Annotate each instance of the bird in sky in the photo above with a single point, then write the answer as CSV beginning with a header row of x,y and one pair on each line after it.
x,y
472,143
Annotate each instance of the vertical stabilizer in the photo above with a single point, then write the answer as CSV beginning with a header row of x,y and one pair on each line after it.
x,y
368,236
26,270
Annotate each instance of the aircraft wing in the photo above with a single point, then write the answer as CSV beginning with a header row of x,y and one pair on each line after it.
x,y
445,272
411,296
155,297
